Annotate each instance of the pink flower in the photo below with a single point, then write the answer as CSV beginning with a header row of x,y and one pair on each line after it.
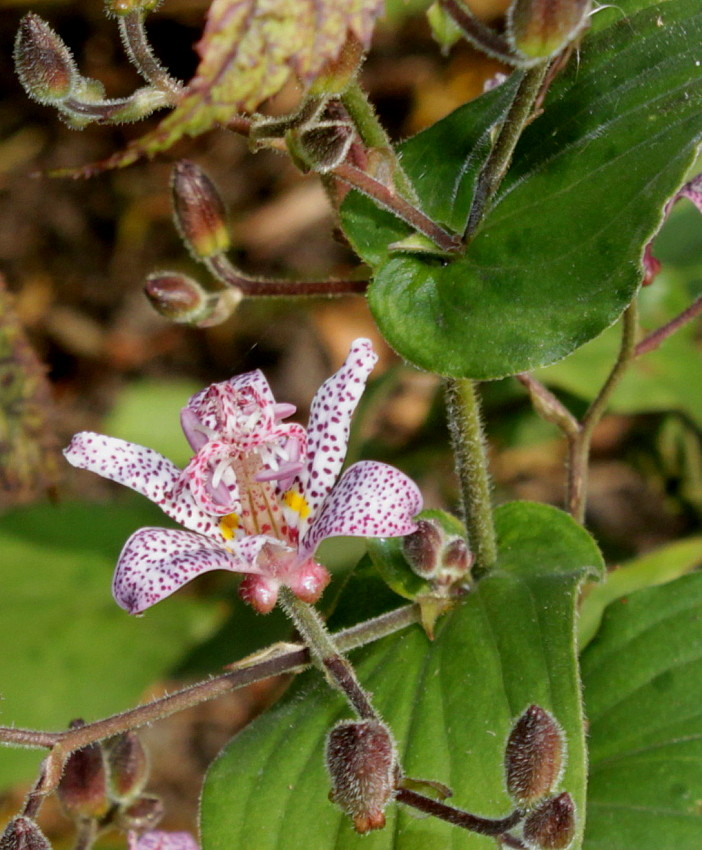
x,y
258,496
156,839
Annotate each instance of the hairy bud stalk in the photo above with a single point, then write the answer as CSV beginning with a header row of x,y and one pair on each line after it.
x,y
533,756
362,766
199,211
43,63
22,833
552,825
539,29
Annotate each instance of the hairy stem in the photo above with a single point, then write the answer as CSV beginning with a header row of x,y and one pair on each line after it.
x,y
373,133
86,834
653,340
324,650
470,452
478,33
228,274
500,156
131,27
396,204
458,817
274,662
579,445
548,406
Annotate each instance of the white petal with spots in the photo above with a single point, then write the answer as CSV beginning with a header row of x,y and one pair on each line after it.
x,y
142,469
155,562
330,422
370,500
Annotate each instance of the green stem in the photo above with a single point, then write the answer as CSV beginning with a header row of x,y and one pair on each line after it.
x,y
469,447
500,156
373,134
579,444
323,649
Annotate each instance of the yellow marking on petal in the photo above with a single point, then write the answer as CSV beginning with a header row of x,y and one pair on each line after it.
x,y
297,502
228,525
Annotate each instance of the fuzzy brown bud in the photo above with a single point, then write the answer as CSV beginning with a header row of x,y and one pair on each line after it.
x,y
533,756
43,63
552,825
456,560
422,548
22,833
83,786
128,766
199,211
179,298
322,147
539,29
361,761
144,813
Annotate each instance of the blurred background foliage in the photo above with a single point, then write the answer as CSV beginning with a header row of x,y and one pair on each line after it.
x,y
80,348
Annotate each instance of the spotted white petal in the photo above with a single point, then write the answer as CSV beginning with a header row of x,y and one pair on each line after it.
x,y
145,471
155,562
211,407
370,500
330,422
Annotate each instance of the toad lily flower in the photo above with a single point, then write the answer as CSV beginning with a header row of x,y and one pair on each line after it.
x,y
259,495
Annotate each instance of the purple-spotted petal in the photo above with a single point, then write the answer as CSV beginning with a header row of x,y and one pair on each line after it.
x,y
142,469
370,500
211,408
156,839
155,562
330,422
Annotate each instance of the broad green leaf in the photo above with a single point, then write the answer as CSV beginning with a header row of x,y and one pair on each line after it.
x,y
450,704
558,257
69,650
662,380
642,677
248,52
653,568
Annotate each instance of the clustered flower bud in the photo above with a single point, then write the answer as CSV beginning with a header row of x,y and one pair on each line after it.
x,y
182,299
539,29
199,211
128,766
362,765
44,64
22,833
534,756
551,826
437,556
83,786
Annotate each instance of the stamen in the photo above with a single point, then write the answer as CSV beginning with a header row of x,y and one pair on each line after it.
x,y
220,469
285,471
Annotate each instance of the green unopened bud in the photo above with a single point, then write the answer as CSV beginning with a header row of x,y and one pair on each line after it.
x,y
83,786
534,756
44,64
144,813
552,825
539,29
124,7
22,833
128,766
362,766
199,211
422,548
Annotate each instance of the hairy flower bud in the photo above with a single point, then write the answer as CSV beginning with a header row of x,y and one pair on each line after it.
x,y
361,761
22,833
182,299
322,147
552,825
422,548
128,766
199,211
538,29
43,63
144,813
533,756
83,786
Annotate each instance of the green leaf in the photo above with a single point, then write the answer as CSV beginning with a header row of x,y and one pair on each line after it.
x,y
653,568
74,652
661,380
450,704
642,678
558,257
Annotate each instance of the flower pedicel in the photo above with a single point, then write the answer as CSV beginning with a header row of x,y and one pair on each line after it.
x,y
259,495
